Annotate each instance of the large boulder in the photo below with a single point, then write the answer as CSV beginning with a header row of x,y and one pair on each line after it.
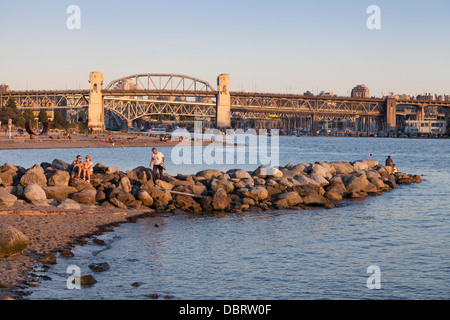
x,y
259,193
342,167
356,183
7,199
315,200
80,184
60,165
360,165
319,179
239,174
12,241
146,199
220,200
7,177
125,184
164,185
292,198
209,173
264,172
34,192
321,171
86,196
34,175
59,192
69,205
59,178
306,181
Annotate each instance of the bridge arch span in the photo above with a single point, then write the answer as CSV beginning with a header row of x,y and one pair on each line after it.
x,y
161,82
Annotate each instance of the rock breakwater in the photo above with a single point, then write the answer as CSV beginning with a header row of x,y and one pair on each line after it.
x,y
299,186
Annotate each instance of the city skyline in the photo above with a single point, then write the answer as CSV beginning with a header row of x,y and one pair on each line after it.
x,y
284,47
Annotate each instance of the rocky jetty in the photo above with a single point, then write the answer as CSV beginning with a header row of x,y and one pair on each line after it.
x,y
297,186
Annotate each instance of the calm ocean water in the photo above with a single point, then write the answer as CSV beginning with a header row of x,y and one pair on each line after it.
x,y
306,254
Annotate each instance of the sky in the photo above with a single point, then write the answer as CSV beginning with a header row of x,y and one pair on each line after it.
x,y
283,46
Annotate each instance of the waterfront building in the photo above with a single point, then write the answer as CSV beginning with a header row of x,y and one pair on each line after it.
x,y
360,91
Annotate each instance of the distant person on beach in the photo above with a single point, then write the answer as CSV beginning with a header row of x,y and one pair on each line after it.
x,y
158,159
77,167
389,161
88,169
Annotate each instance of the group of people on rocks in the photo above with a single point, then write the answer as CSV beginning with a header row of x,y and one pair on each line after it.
x,y
85,169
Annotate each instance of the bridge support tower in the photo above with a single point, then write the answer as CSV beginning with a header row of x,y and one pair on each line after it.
x,y
223,102
391,114
96,118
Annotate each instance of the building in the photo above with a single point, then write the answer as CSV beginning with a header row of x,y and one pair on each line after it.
x,y
4,88
360,91
427,96
427,126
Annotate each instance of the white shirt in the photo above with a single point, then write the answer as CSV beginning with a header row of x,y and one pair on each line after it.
x,y
158,158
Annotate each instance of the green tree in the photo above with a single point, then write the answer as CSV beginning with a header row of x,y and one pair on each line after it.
x,y
43,117
59,122
10,111
29,115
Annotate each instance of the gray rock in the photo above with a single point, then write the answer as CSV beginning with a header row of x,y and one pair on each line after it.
x,y
80,184
59,192
259,193
86,196
12,241
292,198
125,184
60,165
7,199
34,175
119,204
59,178
146,199
220,200
69,204
209,173
34,192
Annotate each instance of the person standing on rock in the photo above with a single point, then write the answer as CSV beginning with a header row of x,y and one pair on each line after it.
x,y
158,159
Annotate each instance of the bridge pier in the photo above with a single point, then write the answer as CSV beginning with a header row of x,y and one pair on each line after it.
x,y
391,114
315,125
96,117
420,113
223,102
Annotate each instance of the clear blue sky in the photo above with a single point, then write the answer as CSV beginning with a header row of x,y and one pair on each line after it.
x,y
270,46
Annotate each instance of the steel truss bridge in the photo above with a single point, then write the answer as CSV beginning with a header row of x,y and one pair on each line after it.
x,y
142,95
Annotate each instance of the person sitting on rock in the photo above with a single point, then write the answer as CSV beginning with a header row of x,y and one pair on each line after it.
x,y
389,161
88,169
77,167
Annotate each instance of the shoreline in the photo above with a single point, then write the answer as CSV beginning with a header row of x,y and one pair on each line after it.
x,y
121,140
113,197
53,233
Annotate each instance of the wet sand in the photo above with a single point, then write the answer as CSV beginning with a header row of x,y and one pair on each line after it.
x,y
50,231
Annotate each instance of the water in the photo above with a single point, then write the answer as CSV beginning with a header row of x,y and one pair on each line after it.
x,y
306,254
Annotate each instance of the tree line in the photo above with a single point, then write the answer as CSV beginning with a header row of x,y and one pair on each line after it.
x,y
10,111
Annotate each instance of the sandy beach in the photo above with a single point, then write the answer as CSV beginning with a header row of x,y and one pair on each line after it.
x,y
52,231
55,140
